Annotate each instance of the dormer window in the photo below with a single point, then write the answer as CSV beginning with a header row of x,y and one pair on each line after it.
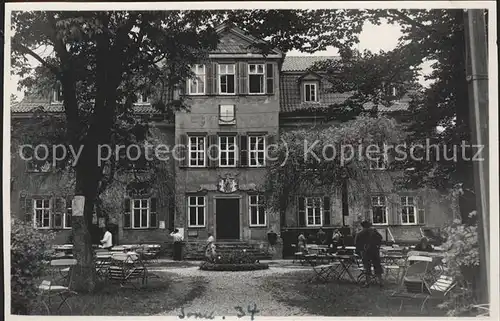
x,y
310,92
143,98
57,95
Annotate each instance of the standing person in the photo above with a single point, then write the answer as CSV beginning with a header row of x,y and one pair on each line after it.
x,y
210,247
177,244
301,242
107,239
321,237
368,243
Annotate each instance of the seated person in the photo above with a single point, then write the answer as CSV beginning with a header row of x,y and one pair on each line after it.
x,y
424,245
107,240
321,237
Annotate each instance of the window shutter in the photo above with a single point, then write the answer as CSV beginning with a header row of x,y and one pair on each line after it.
x,y
243,157
326,211
26,206
242,78
270,79
183,153
69,211
302,211
420,211
213,75
59,207
153,219
127,215
214,151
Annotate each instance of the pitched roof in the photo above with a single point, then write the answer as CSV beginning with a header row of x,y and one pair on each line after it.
x,y
28,106
291,99
302,63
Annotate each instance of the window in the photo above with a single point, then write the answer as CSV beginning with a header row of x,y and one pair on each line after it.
x,y
42,211
39,167
378,162
140,213
197,148
227,79
256,150
408,210
196,85
256,78
57,95
196,211
227,151
68,213
310,92
257,210
379,210
314,211
227,115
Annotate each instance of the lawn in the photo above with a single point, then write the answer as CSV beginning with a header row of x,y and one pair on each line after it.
x,y
162,293
342,299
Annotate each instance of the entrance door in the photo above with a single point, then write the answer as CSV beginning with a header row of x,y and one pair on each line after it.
x,y
227,213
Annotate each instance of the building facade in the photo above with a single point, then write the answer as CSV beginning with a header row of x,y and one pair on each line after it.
x,y
240,101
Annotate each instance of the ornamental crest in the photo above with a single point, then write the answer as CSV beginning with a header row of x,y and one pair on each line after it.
x,y
227,184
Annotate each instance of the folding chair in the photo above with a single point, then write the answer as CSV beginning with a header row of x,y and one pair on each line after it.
x,y
422,280
325,272
358,261
299,256
58,286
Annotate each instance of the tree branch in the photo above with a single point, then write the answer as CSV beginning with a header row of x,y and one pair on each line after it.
x,y
26,50
410,21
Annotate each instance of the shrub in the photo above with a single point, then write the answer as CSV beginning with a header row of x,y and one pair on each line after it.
x,y
209,266
235,257
29,252
462,258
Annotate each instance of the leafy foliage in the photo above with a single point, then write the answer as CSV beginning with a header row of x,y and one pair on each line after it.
x,y
462,258
29,250
235,257
307,160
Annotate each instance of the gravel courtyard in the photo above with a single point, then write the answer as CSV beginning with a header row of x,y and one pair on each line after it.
x,y
226,290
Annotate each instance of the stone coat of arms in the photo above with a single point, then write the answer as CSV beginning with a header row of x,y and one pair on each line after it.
x,y
227,184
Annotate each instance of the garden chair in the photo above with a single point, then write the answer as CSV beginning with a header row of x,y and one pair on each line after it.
x,y
58,287
126,268
423,279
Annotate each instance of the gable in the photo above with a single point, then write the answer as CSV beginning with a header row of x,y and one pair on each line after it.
x,y
233,40
310,76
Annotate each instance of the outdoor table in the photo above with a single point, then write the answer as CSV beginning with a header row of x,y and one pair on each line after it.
x,y
324,267
345,262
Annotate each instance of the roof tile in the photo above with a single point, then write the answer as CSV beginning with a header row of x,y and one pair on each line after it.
x,y
302,63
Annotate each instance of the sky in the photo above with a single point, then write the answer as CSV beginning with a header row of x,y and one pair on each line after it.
x,y
373,37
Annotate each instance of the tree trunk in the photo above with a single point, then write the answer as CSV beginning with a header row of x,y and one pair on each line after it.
x,y
87,181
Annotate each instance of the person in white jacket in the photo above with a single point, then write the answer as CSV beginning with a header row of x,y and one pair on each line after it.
x,y
107,239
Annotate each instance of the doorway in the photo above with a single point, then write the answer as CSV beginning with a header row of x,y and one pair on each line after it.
x,y
227,212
